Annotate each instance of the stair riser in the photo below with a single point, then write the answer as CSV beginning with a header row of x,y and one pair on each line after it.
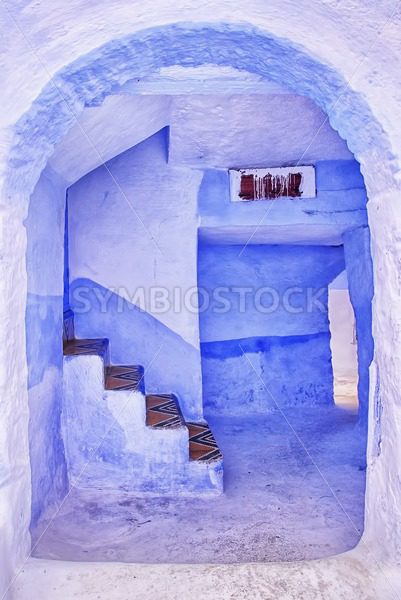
x,y
108,444
85,418
168,446
68,325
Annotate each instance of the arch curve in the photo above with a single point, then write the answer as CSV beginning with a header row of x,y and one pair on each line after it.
x,y
88,80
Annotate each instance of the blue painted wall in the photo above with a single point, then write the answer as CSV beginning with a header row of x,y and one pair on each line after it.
x,y
45,233
277,340
257,355
340,201
116,214
66,278
360,277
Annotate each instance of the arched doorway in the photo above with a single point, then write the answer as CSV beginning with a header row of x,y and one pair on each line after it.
x,y
214,44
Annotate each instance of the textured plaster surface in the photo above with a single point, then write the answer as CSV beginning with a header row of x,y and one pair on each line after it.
x,y
275,334
360,277
103,132
44,322
356,29
348,69
352,575
255,375
252,131
109,447
294,490
136,241
340,205
231,136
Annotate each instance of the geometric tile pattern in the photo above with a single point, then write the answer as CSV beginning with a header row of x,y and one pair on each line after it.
x,y
124,377
202,445
68,325
92,346
163,410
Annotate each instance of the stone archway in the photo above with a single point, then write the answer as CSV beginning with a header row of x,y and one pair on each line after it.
x,y
87,82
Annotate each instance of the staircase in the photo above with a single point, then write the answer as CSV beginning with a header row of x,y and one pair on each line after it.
x,y
118,436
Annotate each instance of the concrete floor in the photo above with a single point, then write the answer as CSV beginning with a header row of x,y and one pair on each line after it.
x,y
294,490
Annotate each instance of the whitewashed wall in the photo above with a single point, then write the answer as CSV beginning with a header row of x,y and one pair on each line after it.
x,y
133,238
349,68
252,130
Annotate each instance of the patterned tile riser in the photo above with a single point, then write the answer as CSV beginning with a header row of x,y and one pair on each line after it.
x,y
162,410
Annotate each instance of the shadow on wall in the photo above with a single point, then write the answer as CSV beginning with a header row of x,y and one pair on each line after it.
x,y
137,337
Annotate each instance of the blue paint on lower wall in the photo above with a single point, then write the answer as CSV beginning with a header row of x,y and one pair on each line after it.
x,y
258,375
281,356
237,347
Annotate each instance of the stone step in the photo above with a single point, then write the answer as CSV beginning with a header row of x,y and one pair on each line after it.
x,y
68,325
76,347
125,377
202,444
163,411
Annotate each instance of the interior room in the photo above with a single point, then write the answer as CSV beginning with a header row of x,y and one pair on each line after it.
x,y
206,365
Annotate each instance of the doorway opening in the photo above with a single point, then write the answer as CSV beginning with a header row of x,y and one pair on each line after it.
x,y
343,344
266,374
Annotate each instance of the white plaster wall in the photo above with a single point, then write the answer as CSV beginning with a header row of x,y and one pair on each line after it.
x,y
206,130
252,131
35,479
133,233
357,39
134,226
103,132
351,31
